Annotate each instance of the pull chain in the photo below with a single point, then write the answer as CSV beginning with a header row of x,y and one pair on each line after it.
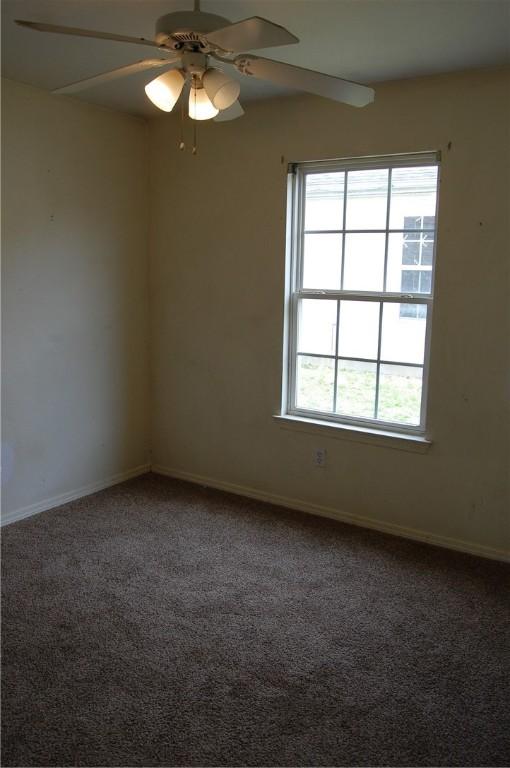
x,y
182,145
195,147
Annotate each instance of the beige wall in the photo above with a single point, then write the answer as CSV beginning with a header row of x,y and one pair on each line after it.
x,y
217,247
75,279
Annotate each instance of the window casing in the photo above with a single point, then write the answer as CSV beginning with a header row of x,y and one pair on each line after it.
x,y
361,255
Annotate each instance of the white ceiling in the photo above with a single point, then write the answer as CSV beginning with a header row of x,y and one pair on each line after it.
x,y
362,40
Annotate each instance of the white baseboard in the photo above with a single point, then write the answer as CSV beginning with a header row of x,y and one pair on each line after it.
x,y
272,498
63,498
316,509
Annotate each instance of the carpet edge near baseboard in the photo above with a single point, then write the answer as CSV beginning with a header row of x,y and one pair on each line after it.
x,y
458,545
63,498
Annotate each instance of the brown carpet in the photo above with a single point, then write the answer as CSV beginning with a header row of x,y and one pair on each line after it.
x,y
161,624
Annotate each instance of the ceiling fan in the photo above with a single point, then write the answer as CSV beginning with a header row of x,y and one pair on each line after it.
x,y
189,40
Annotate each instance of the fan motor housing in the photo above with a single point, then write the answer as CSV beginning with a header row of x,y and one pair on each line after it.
x,y
187,29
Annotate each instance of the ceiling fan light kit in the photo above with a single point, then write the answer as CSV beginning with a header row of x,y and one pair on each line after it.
x,y
221,89
165,90
188,40
200,106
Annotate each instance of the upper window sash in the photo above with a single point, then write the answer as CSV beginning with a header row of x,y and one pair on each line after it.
x,y
297,186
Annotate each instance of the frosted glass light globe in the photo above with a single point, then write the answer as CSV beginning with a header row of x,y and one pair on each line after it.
x,y
221,89
200,105
165,89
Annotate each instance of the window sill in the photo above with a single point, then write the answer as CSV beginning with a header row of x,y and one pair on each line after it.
x,y
395,440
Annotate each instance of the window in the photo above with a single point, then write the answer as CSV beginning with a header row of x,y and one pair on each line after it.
x,y
361,267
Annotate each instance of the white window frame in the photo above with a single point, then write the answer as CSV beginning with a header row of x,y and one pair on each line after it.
x,y
293,292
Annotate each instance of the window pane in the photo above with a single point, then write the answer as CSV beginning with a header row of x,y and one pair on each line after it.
x,y
324,201
427,248
413,310
403,333
409,250
356,388
359,329
367,198
322,260
315,381
416,280
400,394
410,280
317,326
413,197
364,262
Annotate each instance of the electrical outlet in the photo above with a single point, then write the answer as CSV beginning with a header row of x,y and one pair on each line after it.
x,y
319,457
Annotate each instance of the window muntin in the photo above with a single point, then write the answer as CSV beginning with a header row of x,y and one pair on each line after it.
x,y
361,284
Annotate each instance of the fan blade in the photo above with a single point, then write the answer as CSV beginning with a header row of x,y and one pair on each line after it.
x,y
39,27
305,80
231,113
113,74
251,33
